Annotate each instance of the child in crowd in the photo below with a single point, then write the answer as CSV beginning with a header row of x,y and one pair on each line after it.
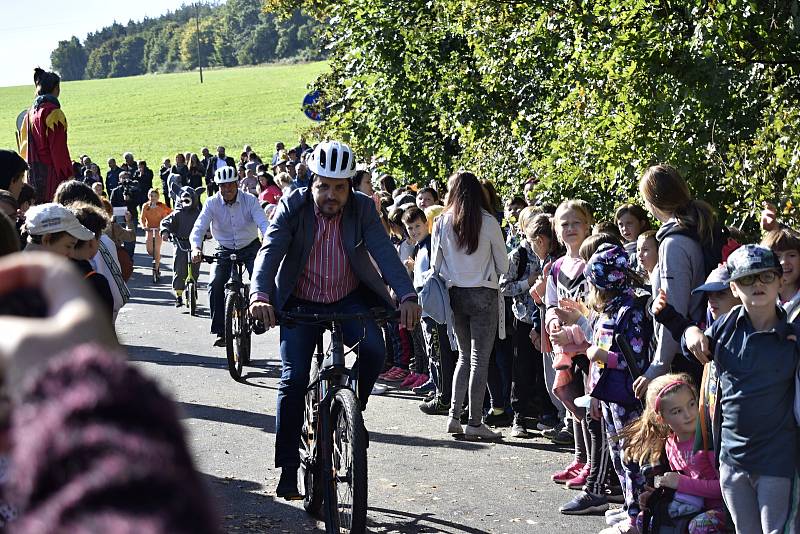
x,y
785,243
284,181
631,220
647,253
53,228
153,212
417,227
525,266
96,220
668,424
177,226
612,296
756,352
565,280
426,197
249,183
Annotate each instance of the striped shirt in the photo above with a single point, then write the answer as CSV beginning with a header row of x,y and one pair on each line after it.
x,y
327,276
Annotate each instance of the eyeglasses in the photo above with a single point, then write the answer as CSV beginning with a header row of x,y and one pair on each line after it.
x,y
767,277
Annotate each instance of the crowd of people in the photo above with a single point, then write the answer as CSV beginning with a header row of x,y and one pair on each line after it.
x,y
658,344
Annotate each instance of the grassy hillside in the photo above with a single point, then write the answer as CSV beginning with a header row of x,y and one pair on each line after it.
x,y
156,116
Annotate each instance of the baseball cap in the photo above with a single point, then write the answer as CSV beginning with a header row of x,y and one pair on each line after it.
x,y
751,259
718,280
51,218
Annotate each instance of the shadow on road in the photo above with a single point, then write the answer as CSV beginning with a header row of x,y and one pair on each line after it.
x,y
416,441
231,416
142,353
409,523
250,510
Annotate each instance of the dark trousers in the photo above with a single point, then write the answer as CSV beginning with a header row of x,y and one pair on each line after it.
x,y
443,357
297,347
220,277
527,383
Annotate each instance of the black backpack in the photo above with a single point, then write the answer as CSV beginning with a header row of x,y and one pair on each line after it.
x,y
656,518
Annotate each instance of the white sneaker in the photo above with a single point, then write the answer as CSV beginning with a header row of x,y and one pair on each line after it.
x,y
453,426
481,432
615,515
378,389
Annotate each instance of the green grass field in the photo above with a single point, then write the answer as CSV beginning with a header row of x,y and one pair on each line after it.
x,y
156,116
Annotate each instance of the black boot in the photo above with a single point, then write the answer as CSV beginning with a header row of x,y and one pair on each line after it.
x,y
287,485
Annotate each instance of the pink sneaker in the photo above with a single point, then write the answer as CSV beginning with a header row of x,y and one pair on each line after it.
x,y
390,373
398,375
580,478
409,381
422,379
568,473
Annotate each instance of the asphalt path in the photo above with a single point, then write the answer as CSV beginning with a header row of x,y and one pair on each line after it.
x,y
421,480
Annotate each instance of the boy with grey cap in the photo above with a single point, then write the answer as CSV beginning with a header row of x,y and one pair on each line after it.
x,y
756,353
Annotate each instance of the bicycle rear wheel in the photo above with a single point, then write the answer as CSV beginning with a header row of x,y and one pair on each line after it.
x,y
310,475
346,497
233,333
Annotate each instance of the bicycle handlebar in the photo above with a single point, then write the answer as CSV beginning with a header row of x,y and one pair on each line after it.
x,y
288,318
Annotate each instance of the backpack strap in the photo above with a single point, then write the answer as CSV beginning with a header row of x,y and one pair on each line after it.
x,y
703,407
89,275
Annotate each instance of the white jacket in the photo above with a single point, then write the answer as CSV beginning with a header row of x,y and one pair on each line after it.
x,y
482,268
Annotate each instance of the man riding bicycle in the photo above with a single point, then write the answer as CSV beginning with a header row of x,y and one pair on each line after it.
x,y
318,255
235,217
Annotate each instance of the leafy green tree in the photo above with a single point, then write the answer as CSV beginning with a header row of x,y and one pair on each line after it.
x,y
188,44
128,59
69,59
99,63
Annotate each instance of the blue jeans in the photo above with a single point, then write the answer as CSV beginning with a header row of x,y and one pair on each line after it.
x,y
297,347
222,273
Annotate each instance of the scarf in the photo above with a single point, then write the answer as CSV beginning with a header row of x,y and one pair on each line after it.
x,y
41,99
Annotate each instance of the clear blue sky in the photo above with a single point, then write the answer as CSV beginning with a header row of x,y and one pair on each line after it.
x,y
31,29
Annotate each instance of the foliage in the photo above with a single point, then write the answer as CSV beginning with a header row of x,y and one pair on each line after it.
x,y
581,96
234,33
69,59
156,116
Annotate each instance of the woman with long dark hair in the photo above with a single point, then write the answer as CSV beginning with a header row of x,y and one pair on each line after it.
x,y
44,134
470,252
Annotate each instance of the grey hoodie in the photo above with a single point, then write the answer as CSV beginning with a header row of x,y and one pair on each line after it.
x,y
680,269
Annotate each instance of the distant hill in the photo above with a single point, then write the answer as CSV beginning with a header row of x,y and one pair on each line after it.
x,y
233,33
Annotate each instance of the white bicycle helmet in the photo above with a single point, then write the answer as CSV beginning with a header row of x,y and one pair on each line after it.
x,y
225,175
332,159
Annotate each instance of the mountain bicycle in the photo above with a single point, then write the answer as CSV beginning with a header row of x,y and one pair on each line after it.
x,y
237,315
333,446
190,284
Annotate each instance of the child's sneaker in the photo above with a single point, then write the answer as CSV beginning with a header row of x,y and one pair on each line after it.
x,y
434,407
616,515
424,389
409,380
585,503
623,527
394,374
580,479
568,473
422,378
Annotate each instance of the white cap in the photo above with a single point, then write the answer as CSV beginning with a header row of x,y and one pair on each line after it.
x,y
50,218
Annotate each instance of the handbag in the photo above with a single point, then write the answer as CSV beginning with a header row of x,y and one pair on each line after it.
x,y
434,295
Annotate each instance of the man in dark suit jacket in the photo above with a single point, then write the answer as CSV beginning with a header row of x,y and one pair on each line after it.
x,y
318,254
213,164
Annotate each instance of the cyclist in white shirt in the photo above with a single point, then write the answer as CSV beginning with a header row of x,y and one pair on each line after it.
x,y
235,217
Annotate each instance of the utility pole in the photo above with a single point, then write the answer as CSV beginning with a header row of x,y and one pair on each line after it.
x,y
197,21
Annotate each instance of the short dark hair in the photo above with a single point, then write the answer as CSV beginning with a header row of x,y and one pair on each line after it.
x,y
432,191
11,166
387,183
357,178
414,214
606,227
92,217
76,191
26,194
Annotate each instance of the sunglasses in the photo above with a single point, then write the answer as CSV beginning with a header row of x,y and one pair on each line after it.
x,y
767,277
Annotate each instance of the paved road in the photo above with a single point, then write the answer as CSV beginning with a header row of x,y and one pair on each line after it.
x,y
421,480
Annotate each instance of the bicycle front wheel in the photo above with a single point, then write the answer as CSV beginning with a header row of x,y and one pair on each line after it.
x,y
233,334
191,297
346,497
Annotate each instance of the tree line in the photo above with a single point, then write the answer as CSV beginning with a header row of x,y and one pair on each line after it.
x,y
237,32
581,96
